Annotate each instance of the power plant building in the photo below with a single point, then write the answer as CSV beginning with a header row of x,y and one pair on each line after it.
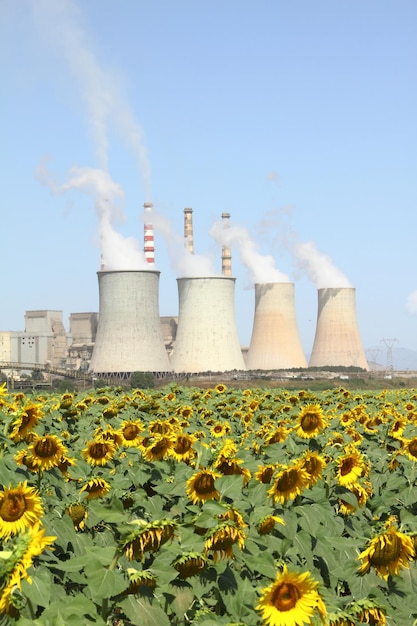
x,y
275,342
129,333
207,338
337,341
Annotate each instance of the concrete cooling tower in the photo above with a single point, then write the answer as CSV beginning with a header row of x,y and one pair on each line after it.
x,y
207,338
275,342
337,340
129,334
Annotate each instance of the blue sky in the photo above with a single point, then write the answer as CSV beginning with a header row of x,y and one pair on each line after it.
x,y
296,117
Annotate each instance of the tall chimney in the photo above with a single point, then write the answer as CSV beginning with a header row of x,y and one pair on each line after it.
x,y
188,230
337,340
149,247
226,254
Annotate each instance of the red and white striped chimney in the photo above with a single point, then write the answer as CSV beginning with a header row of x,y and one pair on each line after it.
x,y
149,247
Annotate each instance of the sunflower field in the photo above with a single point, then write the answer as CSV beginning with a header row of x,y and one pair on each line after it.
x,y
178,506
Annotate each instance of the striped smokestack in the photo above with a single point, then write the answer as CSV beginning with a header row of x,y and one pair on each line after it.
x,y
188,230
226,254
149,247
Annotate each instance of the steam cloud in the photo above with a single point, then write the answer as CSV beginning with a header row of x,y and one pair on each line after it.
x,y
411,303
318,266
261,268
59,24
117,252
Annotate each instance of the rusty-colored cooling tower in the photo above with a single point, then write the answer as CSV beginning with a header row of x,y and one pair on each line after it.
x,y
207,338
275,342
337,340
129,335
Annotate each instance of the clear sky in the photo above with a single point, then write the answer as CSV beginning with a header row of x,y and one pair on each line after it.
x,y
298,117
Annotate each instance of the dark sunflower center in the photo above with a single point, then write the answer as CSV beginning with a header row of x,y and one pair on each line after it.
x,y
204,484
267,475
412,447
45,448
288,480
388,552
77,513
346,466
285,597
130,432
309,422
12,508
183,445
98,450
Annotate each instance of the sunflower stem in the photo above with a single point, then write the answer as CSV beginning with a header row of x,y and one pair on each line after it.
x,y
105,603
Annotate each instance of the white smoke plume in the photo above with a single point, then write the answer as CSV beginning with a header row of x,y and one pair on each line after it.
x,y
318,266
411,303
184,263
117,252
261,268
60,25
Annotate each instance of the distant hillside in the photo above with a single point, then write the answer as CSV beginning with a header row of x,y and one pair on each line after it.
x,y
402,359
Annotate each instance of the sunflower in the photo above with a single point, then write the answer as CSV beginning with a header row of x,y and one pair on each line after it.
x,y
26,421
20,508
267,524
220,429
144,579
200,487
160,427
291,600
220,388
185,411
265,473
148,537
23,549
158,447
310,421
388,553
350,467
24,457
47,451
95,488
190,564
78,513
314,464
346,508
98,452
409,448
277,436
222,538
288,483
182,449
227,467
109,434
64,464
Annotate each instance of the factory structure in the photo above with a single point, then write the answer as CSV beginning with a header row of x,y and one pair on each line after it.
x,y
129,335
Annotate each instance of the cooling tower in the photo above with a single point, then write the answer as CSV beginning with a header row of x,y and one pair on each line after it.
x,y
129,335
337,340
207,338
275,342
